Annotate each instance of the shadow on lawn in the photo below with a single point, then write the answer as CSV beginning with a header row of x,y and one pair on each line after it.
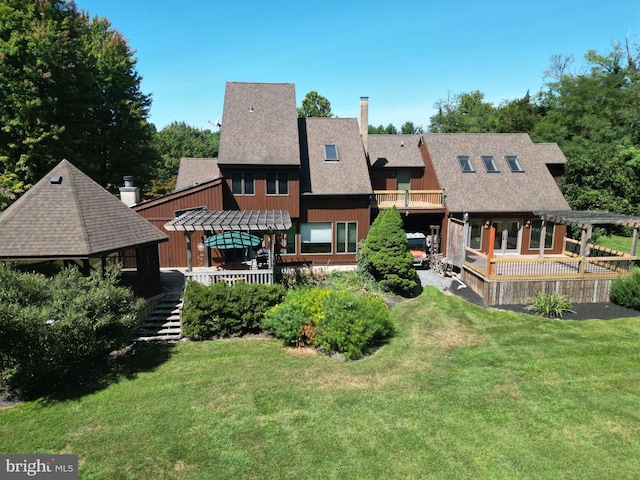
x,y
125,364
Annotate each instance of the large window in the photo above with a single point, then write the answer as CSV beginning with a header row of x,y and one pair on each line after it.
x,y
536,228
242,183
316,237
277,183
404,179
475,233
346,237
465,163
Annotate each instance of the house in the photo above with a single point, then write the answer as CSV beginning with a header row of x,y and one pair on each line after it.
x,y
311,187
313,169
67,216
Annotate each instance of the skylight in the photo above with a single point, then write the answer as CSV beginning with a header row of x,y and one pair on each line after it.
x,y
490,164
514,164
331,152
465,163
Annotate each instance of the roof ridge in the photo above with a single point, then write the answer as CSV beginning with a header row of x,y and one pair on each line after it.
x,y
85,233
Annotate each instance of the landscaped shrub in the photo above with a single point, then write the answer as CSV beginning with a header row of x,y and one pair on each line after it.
x,y
626,290
551,305
386,255
334,321
220,310
57,339
21,289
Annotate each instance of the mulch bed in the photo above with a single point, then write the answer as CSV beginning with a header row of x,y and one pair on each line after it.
x,y
583,311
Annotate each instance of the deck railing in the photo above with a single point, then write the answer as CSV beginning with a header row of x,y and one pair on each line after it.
x,y
572,248
211,276
407,198
510,267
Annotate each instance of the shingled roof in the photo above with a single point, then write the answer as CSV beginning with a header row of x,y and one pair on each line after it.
x,y
193,171
259,125
505,191
349,175
395,151
68,215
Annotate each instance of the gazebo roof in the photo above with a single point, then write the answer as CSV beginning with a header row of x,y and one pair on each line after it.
x,y
588,218
68,215
223,220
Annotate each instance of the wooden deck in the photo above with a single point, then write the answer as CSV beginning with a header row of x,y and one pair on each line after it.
x,y
422,199
511,280
209,276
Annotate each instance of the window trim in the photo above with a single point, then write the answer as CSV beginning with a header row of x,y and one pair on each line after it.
x,y
490,164
515,157
243,183
468,162
327,157
475,222
277,183
346,240
303,228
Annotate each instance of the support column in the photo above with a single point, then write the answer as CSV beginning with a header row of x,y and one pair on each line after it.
x,y
634,242
207,250
490,250
543,235
189,255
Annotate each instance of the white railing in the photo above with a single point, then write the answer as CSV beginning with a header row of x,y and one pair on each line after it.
x,y
408,198
211,276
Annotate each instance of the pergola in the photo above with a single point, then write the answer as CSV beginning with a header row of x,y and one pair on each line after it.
x,y
585,220
265,221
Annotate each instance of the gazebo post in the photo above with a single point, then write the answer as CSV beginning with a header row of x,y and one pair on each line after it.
x,y
189,259
207,250
634,242
543,235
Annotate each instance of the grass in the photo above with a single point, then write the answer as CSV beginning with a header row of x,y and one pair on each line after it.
x,y
616,242
461,392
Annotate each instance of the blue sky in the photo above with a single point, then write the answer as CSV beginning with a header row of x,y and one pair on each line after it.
x,y
403,55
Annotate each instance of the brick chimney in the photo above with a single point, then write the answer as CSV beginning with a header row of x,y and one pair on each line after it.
x,y
129,194
364,123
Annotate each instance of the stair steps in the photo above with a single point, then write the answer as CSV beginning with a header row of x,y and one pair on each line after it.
x,y
163,323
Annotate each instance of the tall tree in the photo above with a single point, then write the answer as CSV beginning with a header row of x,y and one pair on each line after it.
x,y
516,116
462,113
176,141
315,105
408,128
70,90
594,118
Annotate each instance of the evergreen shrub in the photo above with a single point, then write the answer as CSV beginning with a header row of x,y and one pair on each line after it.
x,y
626,290
220,310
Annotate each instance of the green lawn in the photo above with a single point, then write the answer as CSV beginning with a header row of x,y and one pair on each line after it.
x,y
616,242
461,392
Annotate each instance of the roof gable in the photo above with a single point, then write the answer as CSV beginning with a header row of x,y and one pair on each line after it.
x,y
193,171
503,191
349,175
74,218
259,125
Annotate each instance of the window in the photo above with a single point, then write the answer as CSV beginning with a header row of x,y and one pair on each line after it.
x,y
475,233
514,164
490,164
315,237
277,183
290,235
404,180
331,152
242,183
465,163
536,228
346,237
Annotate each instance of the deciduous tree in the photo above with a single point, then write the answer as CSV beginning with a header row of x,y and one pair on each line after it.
x,y
315,105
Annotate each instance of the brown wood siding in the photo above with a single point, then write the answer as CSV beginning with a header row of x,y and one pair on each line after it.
x,y
337,209
260,200
174,252
387,178
430,179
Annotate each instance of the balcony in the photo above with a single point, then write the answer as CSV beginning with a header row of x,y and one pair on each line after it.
x,y
419,199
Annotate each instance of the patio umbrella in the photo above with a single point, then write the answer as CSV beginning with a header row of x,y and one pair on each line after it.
x,y
233,239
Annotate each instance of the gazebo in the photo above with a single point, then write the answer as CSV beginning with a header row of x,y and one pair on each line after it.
x,y
68,217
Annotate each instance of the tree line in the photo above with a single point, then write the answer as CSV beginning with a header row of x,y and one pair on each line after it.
x,y
70,89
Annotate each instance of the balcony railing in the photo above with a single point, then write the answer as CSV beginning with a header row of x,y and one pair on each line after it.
x,y
562,266
407,198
